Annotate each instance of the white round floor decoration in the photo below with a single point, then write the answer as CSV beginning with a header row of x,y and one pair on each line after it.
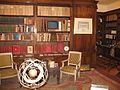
x,y
33,73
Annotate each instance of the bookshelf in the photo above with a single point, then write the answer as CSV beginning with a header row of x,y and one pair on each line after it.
x,y
27,30
100,31
110,34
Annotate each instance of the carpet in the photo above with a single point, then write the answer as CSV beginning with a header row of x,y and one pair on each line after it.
x,y
83,83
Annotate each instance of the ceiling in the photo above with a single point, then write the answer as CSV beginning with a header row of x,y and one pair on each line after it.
x,y
105,2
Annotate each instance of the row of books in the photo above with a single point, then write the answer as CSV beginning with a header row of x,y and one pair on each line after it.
x,y
109,36
34,49
47,24
53,11
53,37
28,10
36,36
112,17
109,42
110,31
17,28
16,9
114,24
16,36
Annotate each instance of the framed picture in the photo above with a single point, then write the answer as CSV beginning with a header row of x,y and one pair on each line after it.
x,y
29,49
83,26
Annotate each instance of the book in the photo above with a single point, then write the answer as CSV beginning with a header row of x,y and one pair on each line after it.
x,y
48,48
54,47
42,48
16,49
17,36
37,49
23,49
60,47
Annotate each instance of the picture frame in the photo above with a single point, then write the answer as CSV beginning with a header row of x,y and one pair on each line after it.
x,y
83,26
30,49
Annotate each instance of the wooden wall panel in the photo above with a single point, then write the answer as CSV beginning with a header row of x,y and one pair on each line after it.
x,y
86,43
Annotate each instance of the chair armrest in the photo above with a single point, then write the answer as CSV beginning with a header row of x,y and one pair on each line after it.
x,y
63,62
77,67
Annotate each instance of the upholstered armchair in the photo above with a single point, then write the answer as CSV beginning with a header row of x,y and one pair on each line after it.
x,y
73,64
6,66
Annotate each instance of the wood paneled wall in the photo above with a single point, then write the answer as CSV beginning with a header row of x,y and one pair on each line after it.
x,y
85,43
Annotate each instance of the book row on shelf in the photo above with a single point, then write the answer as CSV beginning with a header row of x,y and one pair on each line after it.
x,y
53,11
53,37
41,48
35,36
27,24
28,10
17,20
16,9
114,24
112,17
109,36
54,24
17,28
111,31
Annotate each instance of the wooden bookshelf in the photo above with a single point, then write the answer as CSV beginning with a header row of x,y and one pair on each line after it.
x,y
110,43
34,33
60,11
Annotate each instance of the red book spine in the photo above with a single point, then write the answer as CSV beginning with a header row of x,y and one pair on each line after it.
x,y
43,46
23,49
60,47
16,49
48,47
54,48
36,49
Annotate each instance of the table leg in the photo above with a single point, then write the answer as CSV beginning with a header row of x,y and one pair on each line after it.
x,y
58,74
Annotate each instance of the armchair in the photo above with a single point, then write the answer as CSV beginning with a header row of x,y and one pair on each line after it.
x,y
73,64
6,66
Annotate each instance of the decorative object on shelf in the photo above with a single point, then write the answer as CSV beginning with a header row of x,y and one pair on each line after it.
x,y
29,49
66,49
33,73
83,26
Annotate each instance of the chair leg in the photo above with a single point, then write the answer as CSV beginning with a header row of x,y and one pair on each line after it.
x,y
78,73
75,78
0,81
60,75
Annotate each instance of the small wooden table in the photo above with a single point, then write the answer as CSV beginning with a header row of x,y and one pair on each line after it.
x,y
55,72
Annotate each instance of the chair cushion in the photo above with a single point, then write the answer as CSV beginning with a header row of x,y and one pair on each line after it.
x,y
69,69
7,72
5,60
74,58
